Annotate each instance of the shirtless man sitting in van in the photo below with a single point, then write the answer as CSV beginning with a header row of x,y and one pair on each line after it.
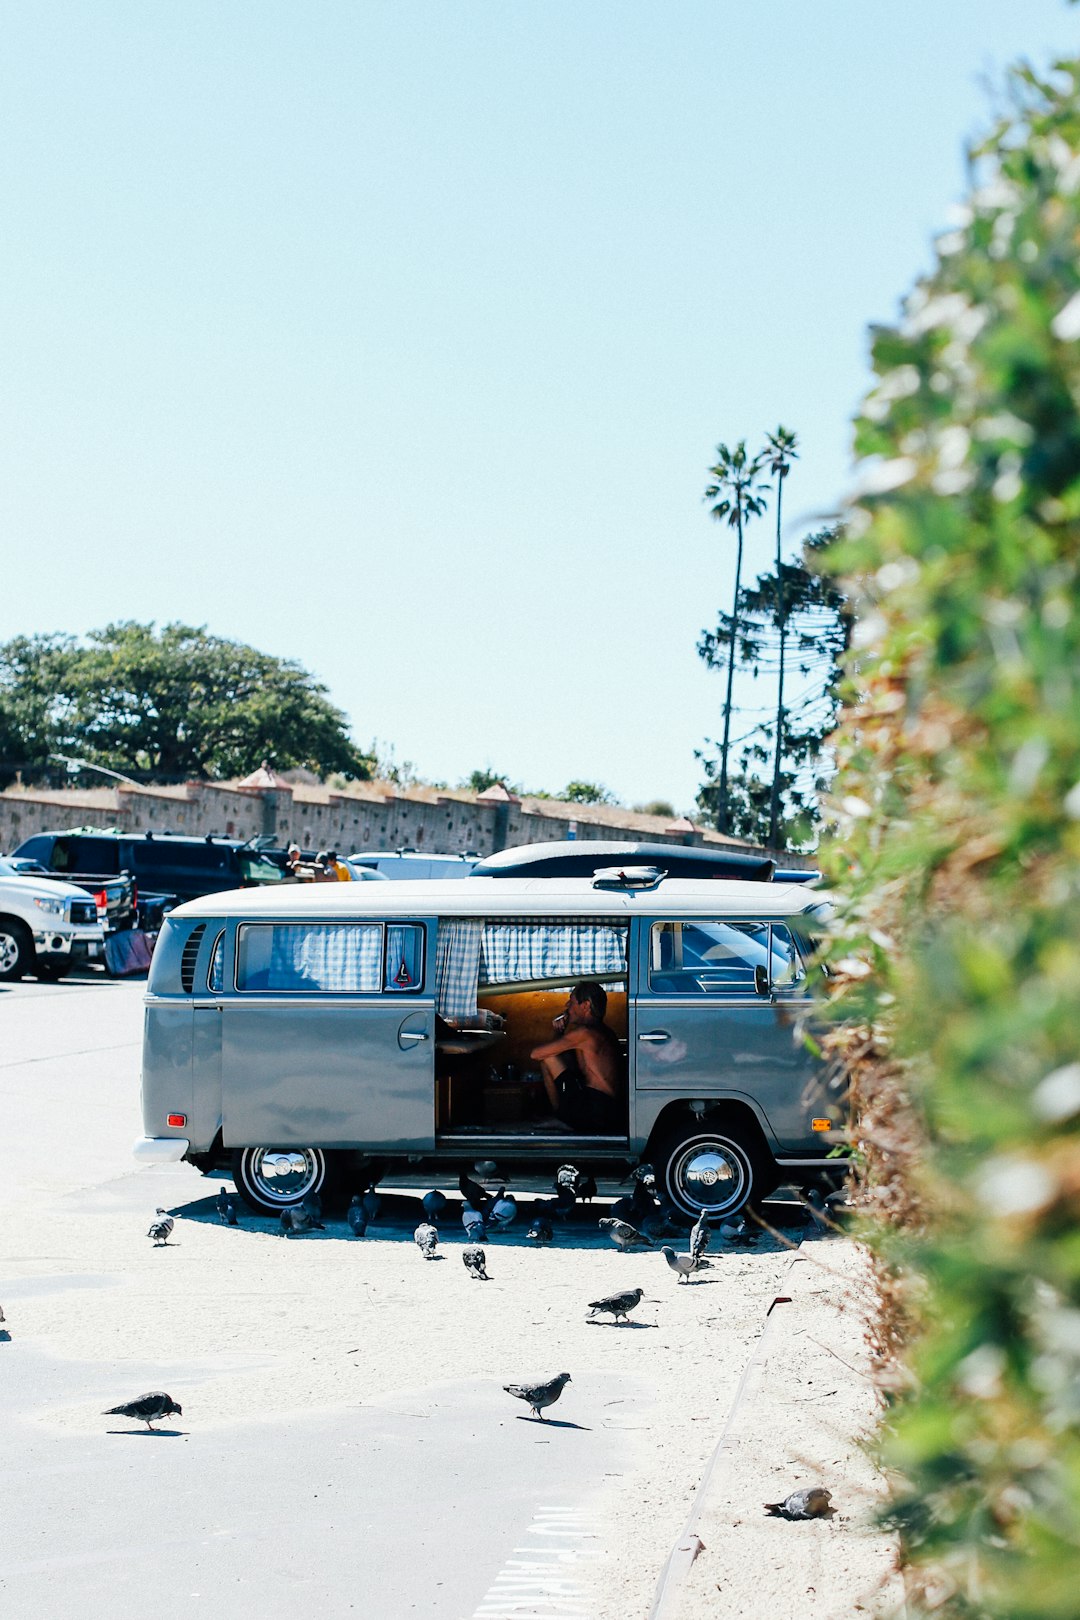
x,y
581,1066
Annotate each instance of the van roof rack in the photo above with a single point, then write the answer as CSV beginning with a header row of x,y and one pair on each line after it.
x,y
628,877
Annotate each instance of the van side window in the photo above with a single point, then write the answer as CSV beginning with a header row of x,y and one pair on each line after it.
x,y
788,972
327,958
707,958
404,958
215,979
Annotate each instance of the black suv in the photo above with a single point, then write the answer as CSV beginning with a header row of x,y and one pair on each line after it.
x,y
161,863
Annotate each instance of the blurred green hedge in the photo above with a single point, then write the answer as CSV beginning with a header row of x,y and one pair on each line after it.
x,y
956,856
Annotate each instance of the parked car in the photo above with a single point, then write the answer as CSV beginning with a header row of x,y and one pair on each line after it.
x,y
412,864
162,864
117,898
336,1025
45,927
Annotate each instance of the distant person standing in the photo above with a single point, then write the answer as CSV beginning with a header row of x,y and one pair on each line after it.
x,y
337,869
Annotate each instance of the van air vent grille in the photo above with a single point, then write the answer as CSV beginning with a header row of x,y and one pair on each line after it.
x,y
190,957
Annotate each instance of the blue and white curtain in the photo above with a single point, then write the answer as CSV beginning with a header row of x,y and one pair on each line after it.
x,y
457,967
338,958
552,950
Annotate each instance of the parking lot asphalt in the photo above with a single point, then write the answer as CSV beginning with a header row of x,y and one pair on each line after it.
x,y
408,1504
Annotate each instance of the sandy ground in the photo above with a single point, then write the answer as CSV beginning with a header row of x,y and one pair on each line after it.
x,y
327,1323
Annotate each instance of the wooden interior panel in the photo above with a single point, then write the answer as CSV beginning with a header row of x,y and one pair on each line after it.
x,y
528,1017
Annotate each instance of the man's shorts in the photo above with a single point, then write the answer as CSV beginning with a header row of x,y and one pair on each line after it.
x,y
587,1111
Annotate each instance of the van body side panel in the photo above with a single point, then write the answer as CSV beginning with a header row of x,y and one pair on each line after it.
x,y
166,1067
328,1072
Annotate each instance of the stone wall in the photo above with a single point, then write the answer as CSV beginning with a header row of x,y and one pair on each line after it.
x,y
374,816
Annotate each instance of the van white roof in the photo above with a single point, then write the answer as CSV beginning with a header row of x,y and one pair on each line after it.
x,y
506,897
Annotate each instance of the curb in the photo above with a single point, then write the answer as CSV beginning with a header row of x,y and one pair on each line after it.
x,y
689,1544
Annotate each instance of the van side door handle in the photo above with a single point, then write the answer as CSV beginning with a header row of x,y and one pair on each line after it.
x,y
413,1035
655,1035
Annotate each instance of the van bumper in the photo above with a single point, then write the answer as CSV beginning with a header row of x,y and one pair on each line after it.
x,y
159,1149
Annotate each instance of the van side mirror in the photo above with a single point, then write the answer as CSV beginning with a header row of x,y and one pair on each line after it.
x,y
761,980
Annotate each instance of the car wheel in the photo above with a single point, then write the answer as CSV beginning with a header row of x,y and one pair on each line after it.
x,y
50,971
272,1179
16,951
712,1171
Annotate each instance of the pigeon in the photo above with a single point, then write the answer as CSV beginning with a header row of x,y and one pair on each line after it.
x,y
426,1239
149,1409
561,1207
434,1203
567,1175
623,1236
540,1230
661,1223
699,1237
299,1219
637,1207
644,1174
226,1208
618,1305
474,1224
356,1217
808,1504
475,1261
160,1230
683,1264
371,1204
312,1207
474,1194
503,1210
539,1395
586,1188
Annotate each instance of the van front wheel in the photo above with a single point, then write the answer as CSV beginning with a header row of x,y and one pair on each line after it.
x,y
710,1171
271,1179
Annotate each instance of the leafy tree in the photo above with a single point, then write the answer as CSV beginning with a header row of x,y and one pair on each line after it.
x,y
656,807
956,859
177,702
800,608
34,714
737,494
480,781
780,451
586,793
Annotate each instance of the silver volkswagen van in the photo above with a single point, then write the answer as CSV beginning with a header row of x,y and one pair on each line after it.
x,y
304,1037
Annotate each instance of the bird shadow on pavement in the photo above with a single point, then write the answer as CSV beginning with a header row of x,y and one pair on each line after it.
x,y
595,1322
553,1423
144,1434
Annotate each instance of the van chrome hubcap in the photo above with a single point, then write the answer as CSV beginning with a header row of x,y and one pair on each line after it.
x,y
9,953
284,1175
711,1176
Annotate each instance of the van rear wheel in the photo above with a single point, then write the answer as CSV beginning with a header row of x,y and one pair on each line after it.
x,y
714,1172
271,1179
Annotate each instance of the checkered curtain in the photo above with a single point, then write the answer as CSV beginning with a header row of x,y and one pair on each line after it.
x,y
552,950
457,967
338,958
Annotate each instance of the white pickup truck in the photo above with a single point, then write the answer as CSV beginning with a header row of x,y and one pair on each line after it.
x,y
45,927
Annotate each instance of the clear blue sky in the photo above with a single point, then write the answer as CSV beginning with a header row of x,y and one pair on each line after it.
x,y
397,337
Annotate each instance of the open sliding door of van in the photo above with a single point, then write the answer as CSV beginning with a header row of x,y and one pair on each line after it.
x,y
328,1036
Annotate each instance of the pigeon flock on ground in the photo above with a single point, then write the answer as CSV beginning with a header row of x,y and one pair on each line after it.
x,y
636,1223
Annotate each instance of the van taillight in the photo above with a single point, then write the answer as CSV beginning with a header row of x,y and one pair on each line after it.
x,y
135,894
101,900
176,1119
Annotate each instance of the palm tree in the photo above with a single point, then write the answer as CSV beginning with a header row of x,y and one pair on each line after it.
x,y
737,495
780,451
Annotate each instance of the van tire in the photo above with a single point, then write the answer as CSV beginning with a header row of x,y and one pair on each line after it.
x,y
688,1156
306,1175
16,950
